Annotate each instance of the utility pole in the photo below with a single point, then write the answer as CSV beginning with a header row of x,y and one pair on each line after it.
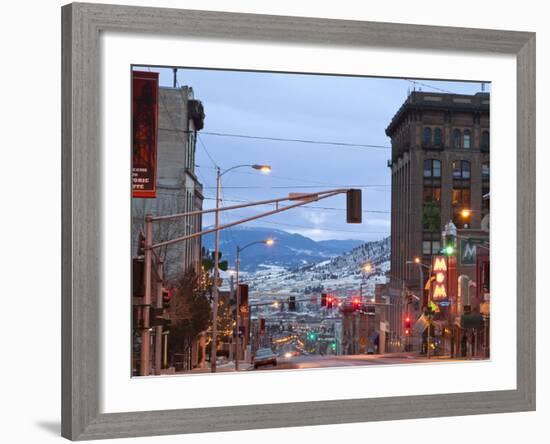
x,y
215,293
158,328
145,332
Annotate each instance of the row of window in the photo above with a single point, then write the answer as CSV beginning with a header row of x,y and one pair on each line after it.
x,y
461,196
459,139
461,169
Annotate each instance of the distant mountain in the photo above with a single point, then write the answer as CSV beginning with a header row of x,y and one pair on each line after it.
x,y
289,251
342,274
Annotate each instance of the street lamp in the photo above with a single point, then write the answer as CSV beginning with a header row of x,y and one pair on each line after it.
x,y
418,262
267,242
215,285
367,268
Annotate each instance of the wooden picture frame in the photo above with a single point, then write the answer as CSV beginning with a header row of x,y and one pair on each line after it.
x,y
81,171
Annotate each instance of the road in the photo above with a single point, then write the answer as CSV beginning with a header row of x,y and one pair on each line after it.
x,y
316,361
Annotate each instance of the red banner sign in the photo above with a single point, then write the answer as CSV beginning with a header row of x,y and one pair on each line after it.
x,y
145,92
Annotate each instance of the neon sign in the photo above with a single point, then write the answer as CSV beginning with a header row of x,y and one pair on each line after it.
x,y
439,268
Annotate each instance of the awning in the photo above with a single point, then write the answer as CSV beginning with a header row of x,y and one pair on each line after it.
x,y
474,320
420,325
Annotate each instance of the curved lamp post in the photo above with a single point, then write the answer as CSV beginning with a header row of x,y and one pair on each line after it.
x,y
215,292
268,242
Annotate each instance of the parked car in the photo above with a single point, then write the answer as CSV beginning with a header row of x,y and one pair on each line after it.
x,y
264,356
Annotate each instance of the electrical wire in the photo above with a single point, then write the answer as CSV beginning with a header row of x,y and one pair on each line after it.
x,y
307,141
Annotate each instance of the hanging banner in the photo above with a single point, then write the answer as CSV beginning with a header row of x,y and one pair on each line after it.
x,y
145,91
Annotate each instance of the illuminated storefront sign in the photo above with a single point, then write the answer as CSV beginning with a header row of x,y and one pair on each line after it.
x,y
439,268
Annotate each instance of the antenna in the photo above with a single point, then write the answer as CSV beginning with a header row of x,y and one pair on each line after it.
x,y
175,76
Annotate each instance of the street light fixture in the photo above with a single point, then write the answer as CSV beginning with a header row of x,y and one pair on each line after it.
x,y
215,285
263,168
367,268
268,242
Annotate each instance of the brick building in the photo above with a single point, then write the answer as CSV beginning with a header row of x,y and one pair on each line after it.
x,y
440,167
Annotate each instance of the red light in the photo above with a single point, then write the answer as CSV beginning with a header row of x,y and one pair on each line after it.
x,y
408,320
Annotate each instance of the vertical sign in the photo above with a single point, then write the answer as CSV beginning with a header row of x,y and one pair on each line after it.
x,y
439,285
145,91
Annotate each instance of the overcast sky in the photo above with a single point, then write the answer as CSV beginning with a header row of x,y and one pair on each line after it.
x,y
339,109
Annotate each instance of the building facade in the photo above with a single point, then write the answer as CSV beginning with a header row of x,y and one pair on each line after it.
x,y
180,117
178,190
440,173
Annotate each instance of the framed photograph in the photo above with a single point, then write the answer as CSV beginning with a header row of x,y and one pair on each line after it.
x,y
278,221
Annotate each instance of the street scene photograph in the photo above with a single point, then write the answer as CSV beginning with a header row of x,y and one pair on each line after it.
x,y
287,221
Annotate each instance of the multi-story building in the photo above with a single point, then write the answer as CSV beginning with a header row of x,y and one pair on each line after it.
x,y
180,116
440,173
178,190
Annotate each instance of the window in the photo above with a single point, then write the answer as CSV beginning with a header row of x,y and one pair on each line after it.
x,y
427,136
456,138
437,137
461,169
432,194
430,247
466,139
485,140
461,197
432,168
485,171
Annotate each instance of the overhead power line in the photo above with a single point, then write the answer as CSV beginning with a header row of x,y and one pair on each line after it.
x,y
283,139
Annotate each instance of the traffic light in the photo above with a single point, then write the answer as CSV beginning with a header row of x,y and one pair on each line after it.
x,y
329,301
166,296
407,326
141,244
292,303
356,303
323,299
449,240
353,206
311,336
138,266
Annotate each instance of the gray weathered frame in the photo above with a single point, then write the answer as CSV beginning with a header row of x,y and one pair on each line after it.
x,y
81,172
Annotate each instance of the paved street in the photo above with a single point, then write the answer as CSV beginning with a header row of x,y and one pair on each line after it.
x,y
316,361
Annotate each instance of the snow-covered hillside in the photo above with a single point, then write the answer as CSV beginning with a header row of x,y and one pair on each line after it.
x,y
341,275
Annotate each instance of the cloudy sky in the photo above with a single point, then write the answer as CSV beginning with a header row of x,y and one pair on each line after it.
x,y
343,110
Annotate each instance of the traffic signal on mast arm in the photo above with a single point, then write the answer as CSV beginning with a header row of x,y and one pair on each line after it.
x,y
292,303
356,302
329,301
354,211
407,326
166,296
